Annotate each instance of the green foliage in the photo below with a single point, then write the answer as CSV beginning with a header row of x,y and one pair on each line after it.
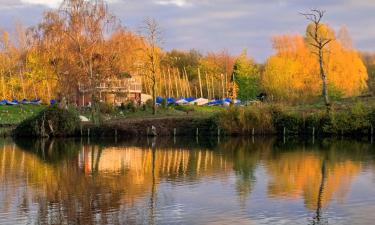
x,y
164,104
149,104
247,76
334,93
243,120
51,122
188,61
292,122
106,108
355,121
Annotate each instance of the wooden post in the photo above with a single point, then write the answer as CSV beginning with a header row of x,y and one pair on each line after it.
x,y
188,83
218,132
165,84
182,91
200,82
313,132
284,131
253,132
222,85
208,87
213,87
169,83
226,85
372,130
197,132
174,132
88,132
175,82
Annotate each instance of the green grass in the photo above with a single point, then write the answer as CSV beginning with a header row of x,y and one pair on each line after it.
x,y
168,112
13,115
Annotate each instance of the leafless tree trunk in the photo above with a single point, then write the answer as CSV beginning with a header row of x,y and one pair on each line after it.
x,y
319,43
152,33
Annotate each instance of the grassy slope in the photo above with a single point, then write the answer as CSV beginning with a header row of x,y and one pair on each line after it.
x,y
12,115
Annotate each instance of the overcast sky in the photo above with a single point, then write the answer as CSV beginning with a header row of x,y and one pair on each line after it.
x,y
211,25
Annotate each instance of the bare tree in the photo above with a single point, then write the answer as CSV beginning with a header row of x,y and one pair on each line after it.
x,y
152,33
319,43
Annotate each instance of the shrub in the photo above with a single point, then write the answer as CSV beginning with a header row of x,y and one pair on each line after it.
x,y
244,120
106,108
149,104
164,104
51,122
258,118
228,120
130,106
292,122
355,121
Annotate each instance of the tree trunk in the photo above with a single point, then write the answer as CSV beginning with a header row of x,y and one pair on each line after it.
x,y
154,97
324,79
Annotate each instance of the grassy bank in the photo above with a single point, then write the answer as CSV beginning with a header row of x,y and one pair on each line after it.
x,y
13,115
348,117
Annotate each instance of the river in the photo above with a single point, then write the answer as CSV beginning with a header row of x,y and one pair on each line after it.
x,y
187,181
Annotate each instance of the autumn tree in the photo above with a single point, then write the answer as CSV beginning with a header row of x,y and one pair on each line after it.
x,y
319,42
293,72
247,77
152,34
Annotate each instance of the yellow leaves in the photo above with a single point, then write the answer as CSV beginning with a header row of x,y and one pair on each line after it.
x,y
296,175
288,73
293,72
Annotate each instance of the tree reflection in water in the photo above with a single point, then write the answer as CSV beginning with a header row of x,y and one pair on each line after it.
x,y
76,183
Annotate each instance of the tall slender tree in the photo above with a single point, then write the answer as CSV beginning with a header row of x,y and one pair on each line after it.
x,y
319,43
153,36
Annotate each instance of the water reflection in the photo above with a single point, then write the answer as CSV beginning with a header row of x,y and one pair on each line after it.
x,y
163,182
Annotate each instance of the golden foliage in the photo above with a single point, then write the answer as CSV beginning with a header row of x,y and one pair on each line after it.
x,y
293,71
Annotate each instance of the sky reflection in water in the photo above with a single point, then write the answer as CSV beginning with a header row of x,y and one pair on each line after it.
x,y
159,181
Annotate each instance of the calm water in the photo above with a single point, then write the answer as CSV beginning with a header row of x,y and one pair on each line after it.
x,y
235,181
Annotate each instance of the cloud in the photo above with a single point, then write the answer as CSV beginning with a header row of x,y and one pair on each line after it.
x,y
210,25
179,3
49,3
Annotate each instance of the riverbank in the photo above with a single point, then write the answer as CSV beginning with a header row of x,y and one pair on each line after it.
x,y
346,118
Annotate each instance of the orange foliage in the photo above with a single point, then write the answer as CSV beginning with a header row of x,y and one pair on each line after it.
x,y
300,174
293,71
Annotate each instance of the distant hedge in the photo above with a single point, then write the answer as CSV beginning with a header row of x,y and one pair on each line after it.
x,y
355,121
51,122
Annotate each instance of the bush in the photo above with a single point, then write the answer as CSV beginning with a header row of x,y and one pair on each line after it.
x,y
149,104
244,120
106,108
164,104
258,118
130,106
292,122
51,122
228,120
350,122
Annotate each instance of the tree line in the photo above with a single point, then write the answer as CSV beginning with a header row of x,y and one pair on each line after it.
x,y
82,42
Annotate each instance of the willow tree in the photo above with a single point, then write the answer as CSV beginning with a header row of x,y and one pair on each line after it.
x,y
319,42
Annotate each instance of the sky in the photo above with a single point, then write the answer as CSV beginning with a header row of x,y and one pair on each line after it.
x,y
214,25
